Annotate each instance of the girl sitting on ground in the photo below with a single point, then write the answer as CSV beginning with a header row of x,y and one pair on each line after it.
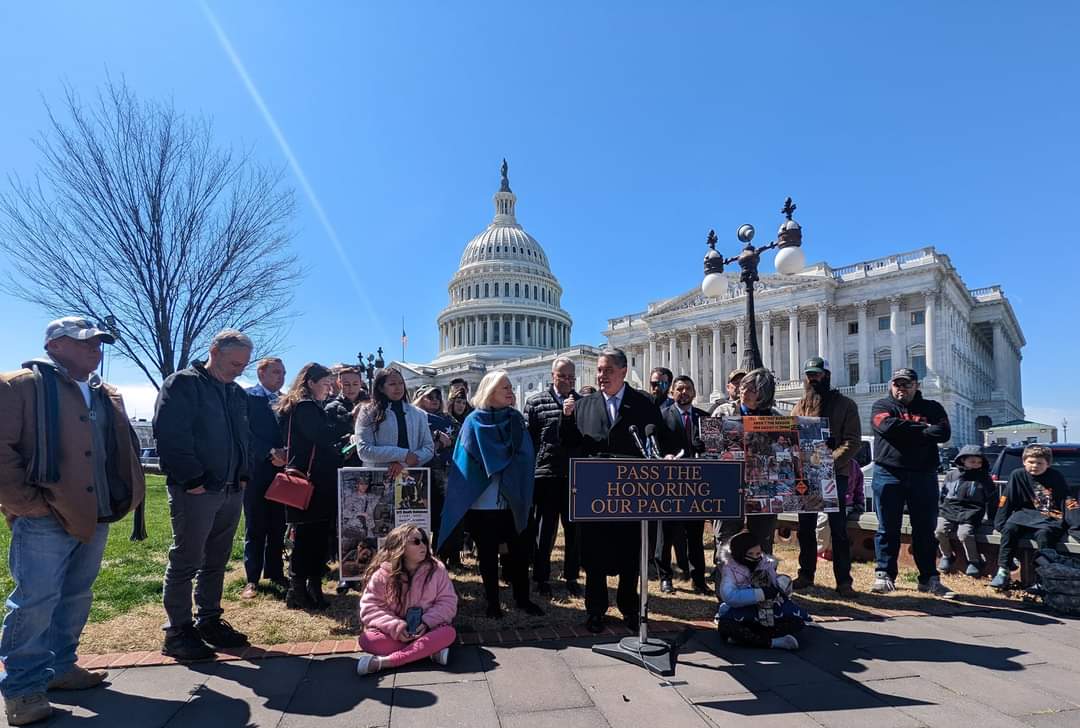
x,y
408,604
755,610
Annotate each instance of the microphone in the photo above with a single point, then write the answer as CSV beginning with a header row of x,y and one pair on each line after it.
x,y
637,440
650,437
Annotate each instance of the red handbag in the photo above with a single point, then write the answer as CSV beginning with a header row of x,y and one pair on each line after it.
x,y
291,486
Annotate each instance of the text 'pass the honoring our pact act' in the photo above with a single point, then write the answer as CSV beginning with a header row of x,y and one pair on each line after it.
x,y
635,490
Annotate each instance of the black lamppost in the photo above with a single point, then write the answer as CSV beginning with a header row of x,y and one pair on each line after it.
x,y
789,261
111,325
373,363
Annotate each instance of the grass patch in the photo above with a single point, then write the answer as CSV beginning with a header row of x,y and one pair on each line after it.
x,y
131,572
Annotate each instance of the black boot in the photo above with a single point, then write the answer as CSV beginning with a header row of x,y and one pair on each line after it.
x,y
297,596
315,593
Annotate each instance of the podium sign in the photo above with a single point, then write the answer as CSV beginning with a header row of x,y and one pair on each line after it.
x,y
655,490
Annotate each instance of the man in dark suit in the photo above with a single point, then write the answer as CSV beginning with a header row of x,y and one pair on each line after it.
x,y
599,426
681,420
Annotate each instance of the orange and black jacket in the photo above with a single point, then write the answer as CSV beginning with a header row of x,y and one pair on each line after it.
x,y
907,437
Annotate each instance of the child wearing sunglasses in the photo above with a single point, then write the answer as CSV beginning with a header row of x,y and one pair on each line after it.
x,y
408,604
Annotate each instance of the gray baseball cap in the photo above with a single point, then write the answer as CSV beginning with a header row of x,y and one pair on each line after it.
x,y
76,327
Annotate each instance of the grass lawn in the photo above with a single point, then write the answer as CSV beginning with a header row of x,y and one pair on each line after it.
x,y
127,612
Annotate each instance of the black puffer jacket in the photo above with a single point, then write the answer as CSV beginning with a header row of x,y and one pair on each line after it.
x,y
968,494
543,413
201,427
907,437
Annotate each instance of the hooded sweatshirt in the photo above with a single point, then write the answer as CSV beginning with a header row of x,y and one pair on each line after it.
x,y
967,494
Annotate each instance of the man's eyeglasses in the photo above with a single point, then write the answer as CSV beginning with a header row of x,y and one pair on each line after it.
x,y
661,385
903,384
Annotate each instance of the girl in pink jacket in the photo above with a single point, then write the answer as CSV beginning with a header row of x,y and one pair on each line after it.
x,y
408,604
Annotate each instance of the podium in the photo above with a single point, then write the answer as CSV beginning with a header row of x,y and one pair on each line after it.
x,y
627,489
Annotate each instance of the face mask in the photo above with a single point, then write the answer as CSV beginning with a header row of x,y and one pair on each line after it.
x,y
752,562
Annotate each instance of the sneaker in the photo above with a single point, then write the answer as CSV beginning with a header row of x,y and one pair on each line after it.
x,y
250,591
846,590
716,618
666,586
442,657
186,644
1000,580
787,642
77,678
27,709
882,584
802,582
934,587
975,570
367,664
945,564
220,633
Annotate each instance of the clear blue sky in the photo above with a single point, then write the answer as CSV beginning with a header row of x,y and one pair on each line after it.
x,y
630,129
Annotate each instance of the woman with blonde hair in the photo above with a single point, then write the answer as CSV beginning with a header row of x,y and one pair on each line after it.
x,y
311,438
408,604
490,489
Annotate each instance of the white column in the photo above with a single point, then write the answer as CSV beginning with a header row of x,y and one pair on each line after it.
x,y
793,343
931,352
740,341
836,346
864,343
717,364
823,333
803,346
694,357
673,353
1001,352
651,364
765,343
643,365
896,347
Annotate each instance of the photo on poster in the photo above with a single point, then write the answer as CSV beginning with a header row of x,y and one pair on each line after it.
x,y
370,506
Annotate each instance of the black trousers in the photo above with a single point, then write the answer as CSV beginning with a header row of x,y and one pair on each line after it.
x,y
1028,523
309,549
611,548
264,536
552,507
687,538
489,529
841,546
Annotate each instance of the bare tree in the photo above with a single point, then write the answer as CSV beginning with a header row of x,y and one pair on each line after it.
x,y
135,213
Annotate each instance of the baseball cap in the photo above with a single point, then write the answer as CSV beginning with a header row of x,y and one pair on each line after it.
x,y
736,374
815,365
905,373
76,327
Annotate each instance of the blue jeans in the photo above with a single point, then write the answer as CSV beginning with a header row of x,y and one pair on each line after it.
x,y
53,573
893,488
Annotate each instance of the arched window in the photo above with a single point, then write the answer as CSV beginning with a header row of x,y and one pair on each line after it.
x,y
526,291
506,290
534,291
485,290
543,295
517,290
477,294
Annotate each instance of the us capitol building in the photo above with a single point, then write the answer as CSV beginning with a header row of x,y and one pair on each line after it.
x,y
910,309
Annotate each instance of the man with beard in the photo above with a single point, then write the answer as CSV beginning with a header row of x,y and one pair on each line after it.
x,y
660,380
821,400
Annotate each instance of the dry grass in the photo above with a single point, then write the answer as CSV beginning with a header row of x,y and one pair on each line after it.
x,y
266,621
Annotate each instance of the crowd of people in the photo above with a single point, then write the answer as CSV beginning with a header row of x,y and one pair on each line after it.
x,y
69,467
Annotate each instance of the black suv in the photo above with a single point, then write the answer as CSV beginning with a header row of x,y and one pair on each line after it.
x,y
1066,460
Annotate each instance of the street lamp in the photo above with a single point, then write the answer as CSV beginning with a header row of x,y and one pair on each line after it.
x,y
373,363
1064,430
789,261
111,325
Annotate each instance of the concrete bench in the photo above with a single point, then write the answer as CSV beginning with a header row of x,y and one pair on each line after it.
x,y
862,526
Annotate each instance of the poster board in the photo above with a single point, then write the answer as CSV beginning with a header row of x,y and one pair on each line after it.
x,y
787,462
370,506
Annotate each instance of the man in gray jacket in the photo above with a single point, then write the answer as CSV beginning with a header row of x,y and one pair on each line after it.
x,y
201,427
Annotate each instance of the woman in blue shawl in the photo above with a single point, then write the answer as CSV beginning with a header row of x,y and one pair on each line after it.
x,y
489,489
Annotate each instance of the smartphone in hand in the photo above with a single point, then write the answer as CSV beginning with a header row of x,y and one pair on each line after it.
x,y
412,619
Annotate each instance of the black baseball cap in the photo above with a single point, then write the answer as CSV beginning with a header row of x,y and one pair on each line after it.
x,y
905,373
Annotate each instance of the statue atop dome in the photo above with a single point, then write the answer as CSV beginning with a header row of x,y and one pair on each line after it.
x,y
505,186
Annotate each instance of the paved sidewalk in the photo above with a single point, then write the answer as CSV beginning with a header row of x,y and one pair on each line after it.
x,y
988,668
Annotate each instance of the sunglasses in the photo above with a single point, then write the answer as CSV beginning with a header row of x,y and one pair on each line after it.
x,y
661,385
417,540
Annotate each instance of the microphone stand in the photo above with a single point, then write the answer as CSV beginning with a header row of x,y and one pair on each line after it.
x,y
655,655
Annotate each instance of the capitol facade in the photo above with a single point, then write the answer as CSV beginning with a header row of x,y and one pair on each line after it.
x,y
911,309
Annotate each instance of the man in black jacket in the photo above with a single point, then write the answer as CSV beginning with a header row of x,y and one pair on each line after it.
x,y
687,537
264,520
551,496
907,431
599,426
201,427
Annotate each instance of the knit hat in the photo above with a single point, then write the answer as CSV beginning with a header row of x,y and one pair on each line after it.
x,y
741,543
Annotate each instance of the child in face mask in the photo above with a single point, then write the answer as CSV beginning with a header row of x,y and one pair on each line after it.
x,y
755,610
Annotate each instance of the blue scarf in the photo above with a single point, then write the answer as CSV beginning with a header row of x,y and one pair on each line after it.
x,y
490,442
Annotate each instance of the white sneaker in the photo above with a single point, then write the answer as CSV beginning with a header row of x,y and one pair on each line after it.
x,y
934,587
442,657
787,642
882,584
366,664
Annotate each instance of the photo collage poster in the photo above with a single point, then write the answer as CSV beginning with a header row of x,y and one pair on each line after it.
x,y
787,462
370,506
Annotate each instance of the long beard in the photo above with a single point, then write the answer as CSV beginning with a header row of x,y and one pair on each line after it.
x,y
814,397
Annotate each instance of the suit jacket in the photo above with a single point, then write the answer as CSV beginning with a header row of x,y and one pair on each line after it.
x,y
611,546
265,435
678,440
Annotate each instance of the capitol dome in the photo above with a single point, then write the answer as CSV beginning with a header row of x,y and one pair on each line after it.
x,y
504,300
